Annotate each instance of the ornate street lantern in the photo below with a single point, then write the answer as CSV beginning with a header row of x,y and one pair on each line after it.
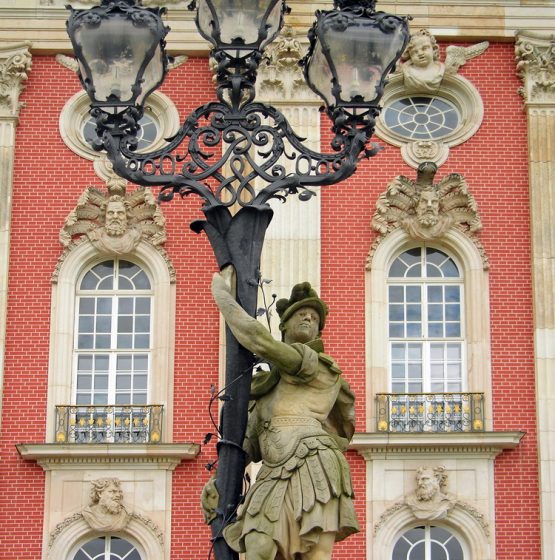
x,y
231,151
352,50
240,24
120,50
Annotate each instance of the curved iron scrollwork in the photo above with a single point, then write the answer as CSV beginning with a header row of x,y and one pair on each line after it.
x,y
232,148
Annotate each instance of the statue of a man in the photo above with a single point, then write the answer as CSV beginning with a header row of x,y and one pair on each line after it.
x,y
300,424
106,511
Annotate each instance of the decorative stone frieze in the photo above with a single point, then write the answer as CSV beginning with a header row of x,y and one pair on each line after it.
x,y
426,210
113,221
535,58
281,76
15,64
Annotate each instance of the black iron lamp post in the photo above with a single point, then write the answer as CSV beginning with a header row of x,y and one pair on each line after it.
x,y
226,146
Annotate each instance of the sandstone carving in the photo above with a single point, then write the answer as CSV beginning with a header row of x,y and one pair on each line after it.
x,y
281,76
300,423
422,70
15,64
536,67
430,500
424,209
106,511
113,221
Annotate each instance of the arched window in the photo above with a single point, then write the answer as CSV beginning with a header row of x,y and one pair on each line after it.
x,y
426,327
428,342
107,548
113,335
111,358
428,542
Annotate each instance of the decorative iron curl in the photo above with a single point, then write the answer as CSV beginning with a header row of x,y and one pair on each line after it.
x,y
253,138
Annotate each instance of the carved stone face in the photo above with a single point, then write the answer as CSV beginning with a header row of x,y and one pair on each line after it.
x,y
302,326
421,51
111,498
116,218
427,209
427,485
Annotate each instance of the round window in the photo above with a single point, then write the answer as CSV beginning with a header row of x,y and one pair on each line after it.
x,y
147,133
421,118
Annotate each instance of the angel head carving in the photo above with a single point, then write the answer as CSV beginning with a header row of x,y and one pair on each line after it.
x,y
424,209
115,223
422,69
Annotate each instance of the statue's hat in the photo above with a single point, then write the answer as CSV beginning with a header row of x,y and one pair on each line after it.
x,y
302,295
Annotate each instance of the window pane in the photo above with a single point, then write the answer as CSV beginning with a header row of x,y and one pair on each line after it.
x,y
396,312
125,305
453,294
415,351
435,312
453,330
123,382
141,281
84,363
452,312
413,294
142,341
435,294
396,294
398,351
435,330
142,305
398,371
86,306
414,329
124,363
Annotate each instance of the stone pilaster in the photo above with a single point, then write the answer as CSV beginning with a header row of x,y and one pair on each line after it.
x,y
15,63
536,66
292,246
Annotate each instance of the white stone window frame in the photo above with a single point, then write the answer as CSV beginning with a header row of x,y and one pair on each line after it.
x,y
79,532
476,313
455,89
63,306
459,522
76,111
427,341
84,540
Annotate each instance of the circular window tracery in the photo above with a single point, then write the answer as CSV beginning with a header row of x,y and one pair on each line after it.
x,y
148,132
421,118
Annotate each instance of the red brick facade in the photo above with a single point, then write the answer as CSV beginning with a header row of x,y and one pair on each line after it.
x,y
49,178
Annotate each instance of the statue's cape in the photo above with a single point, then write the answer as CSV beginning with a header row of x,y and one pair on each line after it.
x,y
341,420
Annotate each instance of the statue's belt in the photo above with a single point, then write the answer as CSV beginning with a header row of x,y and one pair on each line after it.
x,y
284,421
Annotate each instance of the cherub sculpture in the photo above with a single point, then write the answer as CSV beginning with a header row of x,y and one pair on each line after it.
x,y
426,210
422,70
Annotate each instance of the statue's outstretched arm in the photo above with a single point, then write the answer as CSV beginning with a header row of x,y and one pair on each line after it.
x,y
249,332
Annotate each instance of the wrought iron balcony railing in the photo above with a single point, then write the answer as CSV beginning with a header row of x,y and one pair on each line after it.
x,y
109,424
430,412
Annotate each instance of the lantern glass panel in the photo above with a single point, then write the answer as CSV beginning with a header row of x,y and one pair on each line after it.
x,y
241,22
320,75
114,52
361,54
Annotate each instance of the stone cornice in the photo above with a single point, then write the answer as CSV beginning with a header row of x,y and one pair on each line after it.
x,y
411,445
15,64
53,455
43,21
535,56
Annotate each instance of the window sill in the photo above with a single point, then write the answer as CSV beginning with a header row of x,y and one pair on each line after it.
x,y
55,455
477,444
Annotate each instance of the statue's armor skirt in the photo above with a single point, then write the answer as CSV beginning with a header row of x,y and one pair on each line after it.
x,y
303,488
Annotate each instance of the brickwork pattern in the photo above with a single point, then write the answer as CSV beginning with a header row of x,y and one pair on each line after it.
x,y
48,181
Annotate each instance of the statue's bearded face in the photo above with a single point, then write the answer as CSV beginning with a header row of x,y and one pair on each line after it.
x,y
110,499
427,486
427,209
116,218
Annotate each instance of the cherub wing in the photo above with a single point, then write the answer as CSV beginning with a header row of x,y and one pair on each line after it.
x,y
456,57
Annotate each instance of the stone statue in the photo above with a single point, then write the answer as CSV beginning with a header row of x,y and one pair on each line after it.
x,y
422,70
429,500
106,511
301,421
